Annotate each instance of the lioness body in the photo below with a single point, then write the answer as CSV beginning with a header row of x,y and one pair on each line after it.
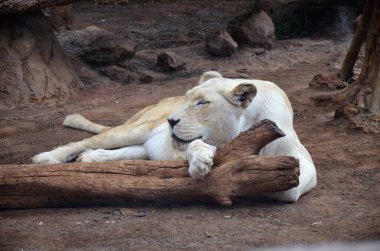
x,y
210,114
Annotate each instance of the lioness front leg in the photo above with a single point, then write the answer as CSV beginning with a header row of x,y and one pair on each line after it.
x,y
199,154
102,155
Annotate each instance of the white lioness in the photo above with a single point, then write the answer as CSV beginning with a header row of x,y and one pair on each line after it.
x,y
210,114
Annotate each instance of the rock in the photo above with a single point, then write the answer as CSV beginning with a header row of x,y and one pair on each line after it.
x,y
97,46
220,43
300,18
125,74
89,76
33,65
327,82
255,29
258,51
61,18
170,61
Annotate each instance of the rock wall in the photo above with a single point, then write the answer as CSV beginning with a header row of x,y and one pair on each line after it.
x,y
33,66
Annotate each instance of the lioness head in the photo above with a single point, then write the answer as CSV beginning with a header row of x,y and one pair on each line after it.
x,y
211,111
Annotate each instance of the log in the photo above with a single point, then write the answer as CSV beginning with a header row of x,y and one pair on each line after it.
x,y
238,172
11,7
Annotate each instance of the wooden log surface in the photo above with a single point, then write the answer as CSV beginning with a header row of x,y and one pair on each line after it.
x,y
237,172
11,7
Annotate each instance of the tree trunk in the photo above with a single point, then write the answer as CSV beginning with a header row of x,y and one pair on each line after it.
x,y
370,73
364,93
356,43
237,172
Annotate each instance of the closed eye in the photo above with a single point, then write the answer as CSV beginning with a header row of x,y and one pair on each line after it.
x,y
202,102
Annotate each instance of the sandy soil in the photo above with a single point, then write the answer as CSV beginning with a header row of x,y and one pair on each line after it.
x,y
344,206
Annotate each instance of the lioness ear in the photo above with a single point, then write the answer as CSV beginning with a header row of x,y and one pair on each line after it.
x,y
209,75
242,95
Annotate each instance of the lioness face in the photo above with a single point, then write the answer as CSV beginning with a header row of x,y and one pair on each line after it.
x,y
211,112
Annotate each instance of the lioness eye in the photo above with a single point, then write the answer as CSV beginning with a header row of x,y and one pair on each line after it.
x,y
202,102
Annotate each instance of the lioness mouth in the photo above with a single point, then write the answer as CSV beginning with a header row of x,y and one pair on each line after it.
x,y
182,140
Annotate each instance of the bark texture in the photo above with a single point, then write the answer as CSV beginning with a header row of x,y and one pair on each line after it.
x,y
237,172
11,7
370,72
356,43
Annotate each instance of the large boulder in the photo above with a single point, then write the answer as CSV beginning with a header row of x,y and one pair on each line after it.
x,y
299,18
255,29
285,10
33,66
220,43
97,46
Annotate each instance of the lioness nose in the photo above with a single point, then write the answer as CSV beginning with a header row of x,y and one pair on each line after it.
x,y
173,122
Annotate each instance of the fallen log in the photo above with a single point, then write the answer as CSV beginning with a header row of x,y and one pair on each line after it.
x,y
11,7
238,172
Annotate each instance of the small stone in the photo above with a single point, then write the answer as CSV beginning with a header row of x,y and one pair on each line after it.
x,y
316,223
258,51
139,214
40,223
208,235
170,61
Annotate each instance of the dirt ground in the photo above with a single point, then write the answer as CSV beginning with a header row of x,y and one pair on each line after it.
x,y
345,206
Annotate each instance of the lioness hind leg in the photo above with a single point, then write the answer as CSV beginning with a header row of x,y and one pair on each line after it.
x,y
77,121
101,155
307,181
117,137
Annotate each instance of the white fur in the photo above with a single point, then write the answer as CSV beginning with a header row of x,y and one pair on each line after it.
x,y
77,121
199,155
101,155
202,126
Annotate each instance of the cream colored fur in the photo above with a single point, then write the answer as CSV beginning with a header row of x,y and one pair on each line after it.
x,y
210,114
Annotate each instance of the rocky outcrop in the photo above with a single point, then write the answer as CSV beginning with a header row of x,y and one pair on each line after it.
x,y
103,57
254,29
33,66
220,43
61,18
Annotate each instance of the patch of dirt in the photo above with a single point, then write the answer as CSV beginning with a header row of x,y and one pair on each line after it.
x,y
345,205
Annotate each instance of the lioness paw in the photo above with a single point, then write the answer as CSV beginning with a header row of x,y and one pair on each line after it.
x,y
99,155
199,155
200,166
44,158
